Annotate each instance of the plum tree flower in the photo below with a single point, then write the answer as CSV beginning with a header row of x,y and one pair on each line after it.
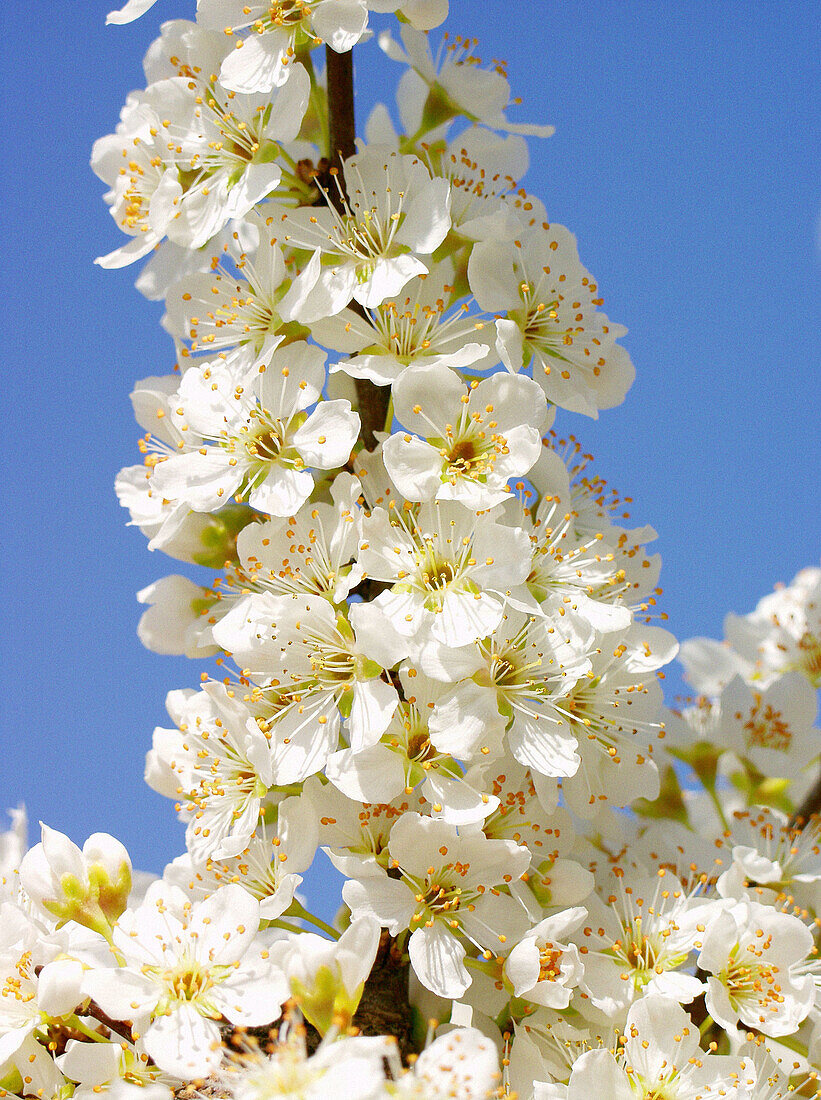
x,y
455,82
445,883
552,318
468,443
247,432
750,953
185,966
448,569
394,212
188,156
262,58
423,326
218,763
434,634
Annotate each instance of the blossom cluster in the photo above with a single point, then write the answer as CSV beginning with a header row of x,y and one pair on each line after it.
x,y
434,654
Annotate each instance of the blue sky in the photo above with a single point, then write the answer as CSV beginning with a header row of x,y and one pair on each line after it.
x,y
685,160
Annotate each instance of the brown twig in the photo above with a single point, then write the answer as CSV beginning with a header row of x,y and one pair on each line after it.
x,y
372,400
341,117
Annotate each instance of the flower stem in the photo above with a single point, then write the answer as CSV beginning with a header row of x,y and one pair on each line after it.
x,y
296,909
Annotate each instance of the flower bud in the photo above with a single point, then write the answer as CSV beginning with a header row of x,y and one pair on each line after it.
x,y
327,978
90,886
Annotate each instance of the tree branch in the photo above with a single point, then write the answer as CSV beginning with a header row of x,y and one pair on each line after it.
x,y
372,400
341,117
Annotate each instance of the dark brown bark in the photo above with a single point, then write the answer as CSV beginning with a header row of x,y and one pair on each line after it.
x,y
385,1008
341,117
372,400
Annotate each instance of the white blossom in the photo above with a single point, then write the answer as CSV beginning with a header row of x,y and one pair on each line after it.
x,y
263,58
750,953
185,966
551,318
446,882
245,430
394,212
468,442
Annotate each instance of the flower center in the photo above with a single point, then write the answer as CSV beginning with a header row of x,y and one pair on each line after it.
x,y
766,729
188,981
462,454
439,574
268,444
288,13
550,963
419,747
746,980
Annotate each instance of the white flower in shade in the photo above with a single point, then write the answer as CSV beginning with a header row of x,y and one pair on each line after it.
x,y
327,977
448,569
184,967
751,954
527,813
640,933
542,967
405,759
312,662
615,712
551,318
590,572
423,327
356,835
120,1071
239,300
770,852
268,868
463,1062
311,552
218,764
246,431
469,440
484,169
772,727
456,82
347,1069
443,885
510,688
394,212
660,1058
264,56
598,509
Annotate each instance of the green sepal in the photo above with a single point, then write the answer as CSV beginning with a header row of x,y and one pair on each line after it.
x,y
670,802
